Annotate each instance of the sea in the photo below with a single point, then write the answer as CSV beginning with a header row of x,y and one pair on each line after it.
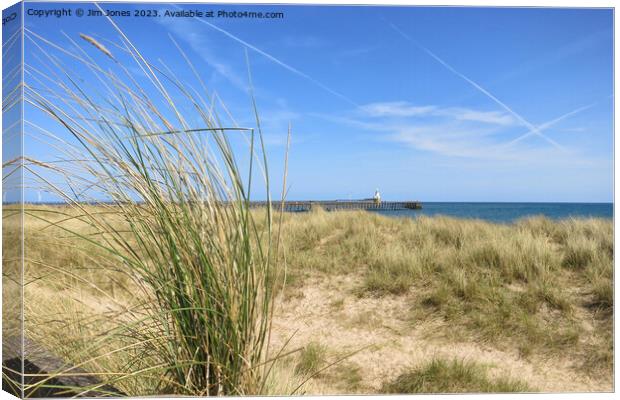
x,y
508,212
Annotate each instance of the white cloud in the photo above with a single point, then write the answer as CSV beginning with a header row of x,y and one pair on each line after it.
x,y
395,109
457,142
452,141
553,122
489,117
533,129
455,132
405,109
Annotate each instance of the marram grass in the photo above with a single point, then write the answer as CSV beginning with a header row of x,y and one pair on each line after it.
x,y
455,376
164,208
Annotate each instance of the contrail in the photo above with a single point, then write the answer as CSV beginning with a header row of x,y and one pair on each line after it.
x,y
548,124
530,126
280,63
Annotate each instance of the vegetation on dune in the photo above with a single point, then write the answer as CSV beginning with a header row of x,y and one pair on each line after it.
x,y
312,358
456,376
530,284
503,285
168,238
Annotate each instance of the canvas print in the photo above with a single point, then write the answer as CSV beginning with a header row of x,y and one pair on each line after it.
x,y
205,199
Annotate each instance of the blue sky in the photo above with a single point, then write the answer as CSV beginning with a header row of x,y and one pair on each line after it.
x,y
434,104
11,115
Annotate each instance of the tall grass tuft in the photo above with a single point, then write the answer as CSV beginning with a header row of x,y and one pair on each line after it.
x,y
182,227
456,376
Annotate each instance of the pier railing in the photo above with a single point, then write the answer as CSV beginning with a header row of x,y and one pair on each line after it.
x,y
334,205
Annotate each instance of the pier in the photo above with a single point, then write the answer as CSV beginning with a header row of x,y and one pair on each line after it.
x,y
333,205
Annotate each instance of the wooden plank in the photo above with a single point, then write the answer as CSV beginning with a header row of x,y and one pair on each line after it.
x,y
41,376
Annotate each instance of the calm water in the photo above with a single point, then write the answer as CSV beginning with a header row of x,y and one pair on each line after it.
x,y
509,212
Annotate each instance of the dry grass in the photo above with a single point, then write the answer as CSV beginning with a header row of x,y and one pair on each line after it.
x,y
530,286
163,276
539,288
456,376
312,359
